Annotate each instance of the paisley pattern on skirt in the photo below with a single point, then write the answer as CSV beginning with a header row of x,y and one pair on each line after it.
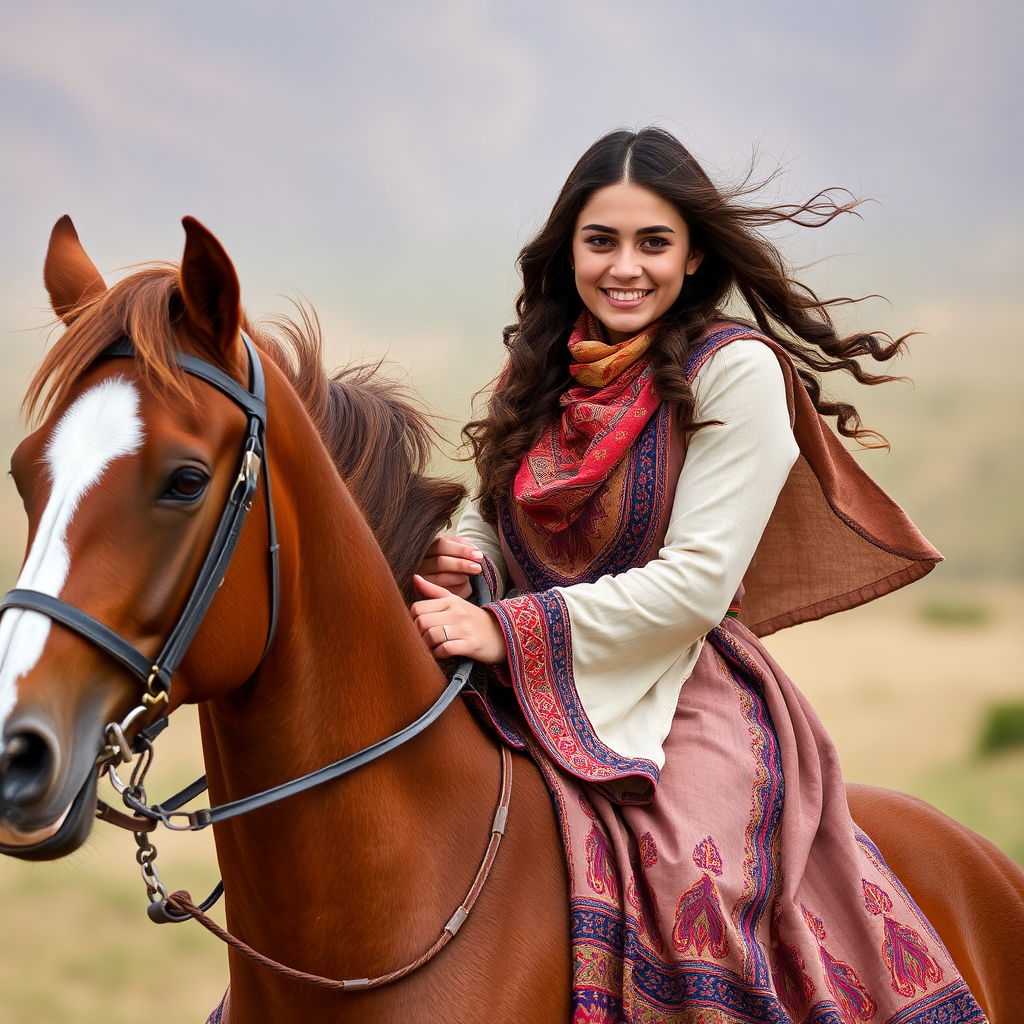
x,y
709,904
731,886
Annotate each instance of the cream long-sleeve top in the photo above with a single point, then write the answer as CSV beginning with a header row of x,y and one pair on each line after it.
x,y
636,635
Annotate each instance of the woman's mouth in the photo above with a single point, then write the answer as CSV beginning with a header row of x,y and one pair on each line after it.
x,y
626,298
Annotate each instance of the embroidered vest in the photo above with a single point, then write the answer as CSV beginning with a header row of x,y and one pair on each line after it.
x,y
834,541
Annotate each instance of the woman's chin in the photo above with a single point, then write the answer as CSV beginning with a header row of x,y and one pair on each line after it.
x,y
623,324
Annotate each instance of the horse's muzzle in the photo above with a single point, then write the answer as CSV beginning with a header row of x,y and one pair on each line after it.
x,y
39,819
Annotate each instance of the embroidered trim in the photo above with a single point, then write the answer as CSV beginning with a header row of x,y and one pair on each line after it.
x,y
874,855
491,577
952,1003
906,954
841,979
218,1015
537,633
761,836
644,486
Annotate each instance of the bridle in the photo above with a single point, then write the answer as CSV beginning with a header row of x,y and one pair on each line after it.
x,y
155,676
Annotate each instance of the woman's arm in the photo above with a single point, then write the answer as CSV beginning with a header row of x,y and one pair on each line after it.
x,y
730,480
627,642
624,645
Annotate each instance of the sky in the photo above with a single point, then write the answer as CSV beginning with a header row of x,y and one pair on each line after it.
x,y
386,161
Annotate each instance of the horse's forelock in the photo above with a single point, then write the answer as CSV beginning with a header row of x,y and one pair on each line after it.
x,y
378,438
143,307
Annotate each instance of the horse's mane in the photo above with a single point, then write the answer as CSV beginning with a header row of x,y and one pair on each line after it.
x,y
379,439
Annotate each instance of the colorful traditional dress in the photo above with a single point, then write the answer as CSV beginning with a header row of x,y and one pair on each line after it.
x,y
715,872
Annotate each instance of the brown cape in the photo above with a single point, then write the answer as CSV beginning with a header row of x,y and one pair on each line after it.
x,y
836,539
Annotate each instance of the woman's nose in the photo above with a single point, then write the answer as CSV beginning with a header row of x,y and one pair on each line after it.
x,y
627,268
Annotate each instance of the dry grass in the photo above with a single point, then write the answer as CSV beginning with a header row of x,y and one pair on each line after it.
x,y
904,686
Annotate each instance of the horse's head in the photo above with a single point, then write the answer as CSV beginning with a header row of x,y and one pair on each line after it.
x,y
124,483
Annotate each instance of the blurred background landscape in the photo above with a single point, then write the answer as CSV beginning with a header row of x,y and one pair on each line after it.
x,y
385,162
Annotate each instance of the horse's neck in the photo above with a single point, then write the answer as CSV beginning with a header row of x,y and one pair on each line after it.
x,y
346,669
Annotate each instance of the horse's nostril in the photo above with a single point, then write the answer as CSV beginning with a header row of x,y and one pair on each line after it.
x,y
25,768
16,746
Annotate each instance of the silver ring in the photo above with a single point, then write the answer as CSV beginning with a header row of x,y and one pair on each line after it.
x,y
444,629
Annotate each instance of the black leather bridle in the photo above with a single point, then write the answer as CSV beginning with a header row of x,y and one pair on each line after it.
x,y
155,675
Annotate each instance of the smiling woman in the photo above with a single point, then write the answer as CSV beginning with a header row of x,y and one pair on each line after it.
x,y
631,255
658,490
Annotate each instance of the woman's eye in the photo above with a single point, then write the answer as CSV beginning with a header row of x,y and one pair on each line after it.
x,y
186,485
656,243
599,241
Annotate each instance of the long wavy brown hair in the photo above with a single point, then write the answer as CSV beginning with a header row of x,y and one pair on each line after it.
x,y
739,262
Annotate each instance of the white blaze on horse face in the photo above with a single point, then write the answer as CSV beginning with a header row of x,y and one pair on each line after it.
x,y
102,425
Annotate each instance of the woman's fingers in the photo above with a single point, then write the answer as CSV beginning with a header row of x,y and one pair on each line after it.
x,y
431,590
455,547
452,627
449,563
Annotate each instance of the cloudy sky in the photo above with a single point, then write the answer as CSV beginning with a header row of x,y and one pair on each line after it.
x,y
387,159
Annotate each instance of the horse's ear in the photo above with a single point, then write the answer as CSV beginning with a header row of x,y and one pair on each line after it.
x,y
69,275
210,292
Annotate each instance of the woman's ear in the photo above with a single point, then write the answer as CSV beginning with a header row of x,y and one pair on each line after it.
x,y
694,261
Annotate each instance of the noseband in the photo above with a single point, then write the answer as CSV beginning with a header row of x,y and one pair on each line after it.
x,y
155,675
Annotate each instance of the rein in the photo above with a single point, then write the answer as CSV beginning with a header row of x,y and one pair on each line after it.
x,y
182,902
155,675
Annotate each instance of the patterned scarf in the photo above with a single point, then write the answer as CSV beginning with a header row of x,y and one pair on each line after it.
x,y
601,418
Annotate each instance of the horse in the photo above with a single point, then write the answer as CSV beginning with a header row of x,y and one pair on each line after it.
x,y
124,482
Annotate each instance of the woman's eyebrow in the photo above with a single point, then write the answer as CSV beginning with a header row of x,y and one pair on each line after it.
x,y
657,229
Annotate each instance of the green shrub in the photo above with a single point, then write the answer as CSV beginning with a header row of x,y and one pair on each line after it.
x,y
1003,727
946,612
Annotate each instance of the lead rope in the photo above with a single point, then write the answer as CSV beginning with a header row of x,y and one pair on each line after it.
x,y
182,902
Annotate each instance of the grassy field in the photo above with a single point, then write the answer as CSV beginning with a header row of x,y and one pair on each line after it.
x,y
903,686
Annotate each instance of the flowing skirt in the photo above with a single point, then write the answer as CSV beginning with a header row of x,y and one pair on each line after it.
x,y
744,891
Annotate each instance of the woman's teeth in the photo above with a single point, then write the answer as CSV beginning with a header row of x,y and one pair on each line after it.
x,y
620,295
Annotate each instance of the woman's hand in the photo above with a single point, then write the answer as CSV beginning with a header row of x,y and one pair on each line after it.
x,y
449,562
455,628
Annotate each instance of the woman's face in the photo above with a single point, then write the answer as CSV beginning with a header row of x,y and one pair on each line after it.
x,y
630,254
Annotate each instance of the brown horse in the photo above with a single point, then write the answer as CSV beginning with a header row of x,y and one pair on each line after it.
x,y
123,484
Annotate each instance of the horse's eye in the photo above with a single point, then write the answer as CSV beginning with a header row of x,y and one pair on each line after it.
x,y
186,485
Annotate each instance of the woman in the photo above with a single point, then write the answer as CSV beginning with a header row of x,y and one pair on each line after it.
x,y
657,489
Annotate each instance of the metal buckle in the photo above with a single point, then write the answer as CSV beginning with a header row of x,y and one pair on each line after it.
x,y
118,749
152,697
248,479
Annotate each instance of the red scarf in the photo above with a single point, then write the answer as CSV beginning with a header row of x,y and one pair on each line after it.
x,y
578,452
